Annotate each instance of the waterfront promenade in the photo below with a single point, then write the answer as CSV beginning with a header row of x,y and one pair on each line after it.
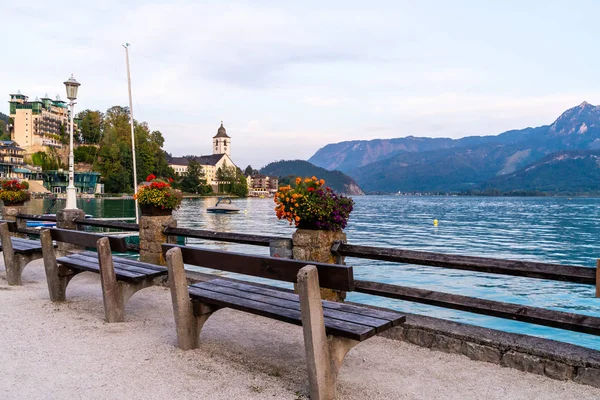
x,y
56,351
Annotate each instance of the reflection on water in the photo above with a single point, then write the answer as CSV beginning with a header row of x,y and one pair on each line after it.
x,y
556,230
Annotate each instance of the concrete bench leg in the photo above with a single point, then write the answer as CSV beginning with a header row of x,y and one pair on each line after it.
x,y
324,354
189,318
57,276
115,293
14,262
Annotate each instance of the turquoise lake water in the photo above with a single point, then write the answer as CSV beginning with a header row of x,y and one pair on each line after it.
x,y
556,230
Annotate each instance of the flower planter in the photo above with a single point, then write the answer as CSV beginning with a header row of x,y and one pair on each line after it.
x,y
152,211
315,245
17,204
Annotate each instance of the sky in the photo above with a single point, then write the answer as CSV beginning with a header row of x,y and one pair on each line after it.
x,y
288,77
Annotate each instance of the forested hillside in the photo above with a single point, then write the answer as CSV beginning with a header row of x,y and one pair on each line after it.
x,y
287,171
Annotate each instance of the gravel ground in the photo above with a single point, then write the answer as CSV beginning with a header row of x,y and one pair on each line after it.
x,y
66,351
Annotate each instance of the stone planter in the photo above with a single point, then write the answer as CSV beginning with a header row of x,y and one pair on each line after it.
x,y
152,237
152,211
315,245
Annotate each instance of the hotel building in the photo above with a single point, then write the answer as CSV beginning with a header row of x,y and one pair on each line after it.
x,y
39,124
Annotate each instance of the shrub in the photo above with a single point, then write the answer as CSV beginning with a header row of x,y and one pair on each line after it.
x,y
310,205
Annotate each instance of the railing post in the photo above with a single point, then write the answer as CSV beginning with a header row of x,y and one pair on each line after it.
x,y
598,278
10,213
65,219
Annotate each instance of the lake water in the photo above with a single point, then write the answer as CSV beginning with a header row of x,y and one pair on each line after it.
x,y
556,230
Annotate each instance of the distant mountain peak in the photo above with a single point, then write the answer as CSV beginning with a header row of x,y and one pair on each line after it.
x,y
577,120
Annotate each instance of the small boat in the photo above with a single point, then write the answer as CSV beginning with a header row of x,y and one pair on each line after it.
x,y
223,206
46,224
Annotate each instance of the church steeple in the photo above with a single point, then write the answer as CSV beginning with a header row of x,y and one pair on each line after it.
x,y
222,142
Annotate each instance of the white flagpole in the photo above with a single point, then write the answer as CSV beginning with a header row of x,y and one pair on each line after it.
x,y
126,45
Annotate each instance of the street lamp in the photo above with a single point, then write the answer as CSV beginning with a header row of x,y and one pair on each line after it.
x,y
72,86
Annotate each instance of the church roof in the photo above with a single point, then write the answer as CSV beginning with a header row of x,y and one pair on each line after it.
x,y
213,159
221,132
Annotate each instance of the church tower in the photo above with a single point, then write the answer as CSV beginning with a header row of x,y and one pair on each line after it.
x,y
222,142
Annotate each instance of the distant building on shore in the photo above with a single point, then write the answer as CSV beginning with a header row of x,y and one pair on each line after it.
x,y
39,124
262,185
220,158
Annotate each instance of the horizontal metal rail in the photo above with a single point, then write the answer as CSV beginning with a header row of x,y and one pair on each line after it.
x,y
529,269
534,315
243,238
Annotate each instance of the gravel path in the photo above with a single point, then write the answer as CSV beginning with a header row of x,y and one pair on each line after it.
x,y
67,351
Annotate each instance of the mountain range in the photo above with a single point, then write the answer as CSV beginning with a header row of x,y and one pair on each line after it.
x,y
413,164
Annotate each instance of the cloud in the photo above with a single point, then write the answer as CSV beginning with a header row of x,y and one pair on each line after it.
x,y
290,77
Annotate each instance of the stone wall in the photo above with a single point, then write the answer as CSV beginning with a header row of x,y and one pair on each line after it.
x,y
553,359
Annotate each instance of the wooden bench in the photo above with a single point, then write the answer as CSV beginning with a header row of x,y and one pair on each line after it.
x,y
120,277
330,329
17,252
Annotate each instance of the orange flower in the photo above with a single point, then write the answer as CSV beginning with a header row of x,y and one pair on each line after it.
x,y
298,180
297,218
322,181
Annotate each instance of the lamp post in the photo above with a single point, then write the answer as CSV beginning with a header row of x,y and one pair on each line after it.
x,y
72,86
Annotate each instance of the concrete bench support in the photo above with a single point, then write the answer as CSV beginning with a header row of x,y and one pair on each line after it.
x,y
187,323
14,262
115,293
324,353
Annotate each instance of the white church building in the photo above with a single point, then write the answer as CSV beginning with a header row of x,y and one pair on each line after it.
x,y
220,158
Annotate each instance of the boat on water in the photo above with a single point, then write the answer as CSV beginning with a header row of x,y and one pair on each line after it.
x,y
223,206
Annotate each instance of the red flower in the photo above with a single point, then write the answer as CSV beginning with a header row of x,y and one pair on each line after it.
x,y
151,177
171,180
310,189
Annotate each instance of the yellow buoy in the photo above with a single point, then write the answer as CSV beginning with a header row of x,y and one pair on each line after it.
x,y
435,222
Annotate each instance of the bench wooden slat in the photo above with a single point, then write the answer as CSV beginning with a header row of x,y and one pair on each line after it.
x,y
394,317
87,239
333,326
94,267
128,261
378,324
332,276
27,242
122,263
26,246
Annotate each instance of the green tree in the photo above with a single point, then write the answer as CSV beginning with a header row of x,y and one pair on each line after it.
x,y
4,135
192,181
248,170
48,161
91,127
114,154
234,181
